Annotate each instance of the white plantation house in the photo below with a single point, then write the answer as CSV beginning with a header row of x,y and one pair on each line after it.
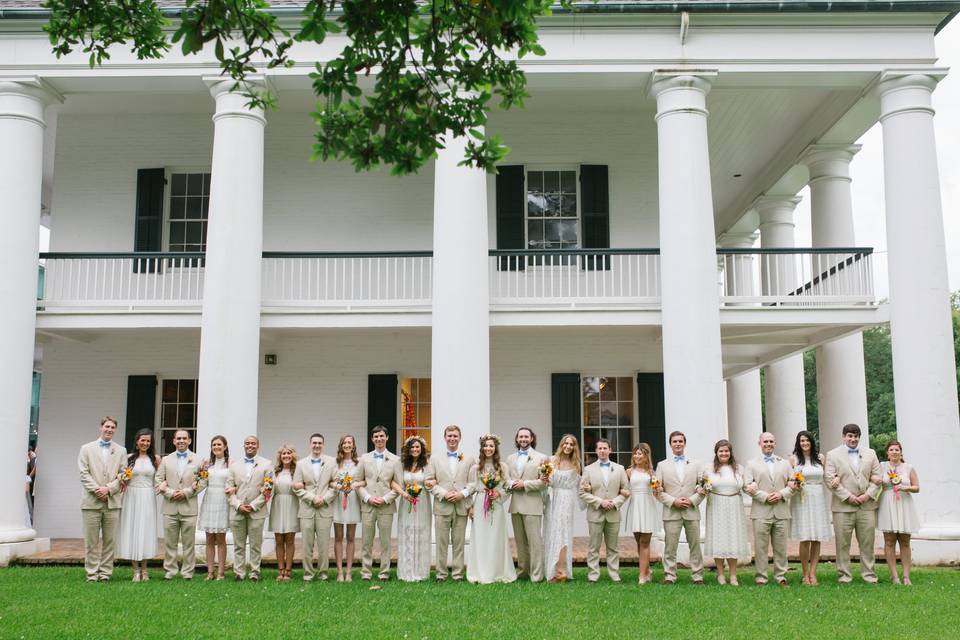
x,y
628,271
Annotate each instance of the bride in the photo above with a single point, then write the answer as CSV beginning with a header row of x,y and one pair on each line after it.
x,y
489,557
413,513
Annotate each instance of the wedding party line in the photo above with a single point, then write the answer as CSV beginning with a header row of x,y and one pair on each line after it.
x,y
807,497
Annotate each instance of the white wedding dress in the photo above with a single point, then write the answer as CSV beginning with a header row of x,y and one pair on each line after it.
x,y
489,556
413,533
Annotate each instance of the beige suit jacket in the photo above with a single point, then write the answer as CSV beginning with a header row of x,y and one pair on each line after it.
x,y
672,488
248,488
852,483
188,482
600,491
438,470
314,488
95,472
756,471
528,500
378,481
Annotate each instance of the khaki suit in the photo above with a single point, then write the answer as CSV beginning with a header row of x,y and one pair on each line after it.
x,y
676,520
849,518
179,516
100,517
771,522
376,519
315,520
604,525
248,527
450,518
526,513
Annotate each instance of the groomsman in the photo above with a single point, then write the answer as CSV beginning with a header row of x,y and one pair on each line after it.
x,y
449,469
377,502
853,473
678,477
249,507
177,480
769,480
311,482
100,464
605,480
526,504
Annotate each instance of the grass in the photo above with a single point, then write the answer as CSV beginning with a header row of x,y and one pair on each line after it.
x,y
55,602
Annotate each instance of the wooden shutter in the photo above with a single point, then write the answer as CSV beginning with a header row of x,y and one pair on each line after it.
x,y
511,205
382,406
141,407
565,406
652,424
595,213
148,225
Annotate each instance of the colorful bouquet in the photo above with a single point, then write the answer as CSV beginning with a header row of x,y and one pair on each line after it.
x,y
125,476
204,472
800,480
267,488
704,482
345,480
490,480
654,484
895,482
545,469
413,490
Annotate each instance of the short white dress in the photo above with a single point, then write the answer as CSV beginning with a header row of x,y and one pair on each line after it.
x,y
350,514
896,513
641,514
214,508
138,517
810,508
726,535
284,505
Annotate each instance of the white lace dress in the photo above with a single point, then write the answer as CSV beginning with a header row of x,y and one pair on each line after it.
x,y
641,514
896,513
726,535
414,524
138,517
214,509
810,508
558,520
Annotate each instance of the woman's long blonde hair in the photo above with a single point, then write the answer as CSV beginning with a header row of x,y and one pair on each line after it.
x,y
574,457
293,462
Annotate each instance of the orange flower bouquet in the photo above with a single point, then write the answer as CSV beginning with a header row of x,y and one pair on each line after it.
x,y
490,481
413,490
345,481
267,488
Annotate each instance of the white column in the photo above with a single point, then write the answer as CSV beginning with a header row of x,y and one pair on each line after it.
x,y
460,342
920,325
744,411
692,360
841,379
230,325
785,399
21,175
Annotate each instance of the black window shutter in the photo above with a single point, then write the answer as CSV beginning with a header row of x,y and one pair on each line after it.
x,y
148,225
652,424
565,406
511,205
595,213
382,407
141,407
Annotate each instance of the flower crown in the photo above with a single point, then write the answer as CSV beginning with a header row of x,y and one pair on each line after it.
x,y
423,443
490,436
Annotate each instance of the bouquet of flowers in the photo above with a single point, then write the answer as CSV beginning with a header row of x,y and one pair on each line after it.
x,y
800,480
895,482
267,488
490,480
345,480
204,471
125,476
654,484
545,469
704,482
413,490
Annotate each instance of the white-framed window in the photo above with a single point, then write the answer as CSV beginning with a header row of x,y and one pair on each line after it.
x,y
186,209
178,410
552,208
415,406
608,412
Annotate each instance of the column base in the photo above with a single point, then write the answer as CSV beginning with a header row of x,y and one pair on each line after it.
x,y
936,544
10,551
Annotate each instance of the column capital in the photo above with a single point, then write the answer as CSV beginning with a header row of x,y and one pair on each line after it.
x,y
737,239
231,99
908,90
776,209
679,91
829,161
25,97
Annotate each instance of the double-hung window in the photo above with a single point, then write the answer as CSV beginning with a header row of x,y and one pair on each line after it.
x,y
552,211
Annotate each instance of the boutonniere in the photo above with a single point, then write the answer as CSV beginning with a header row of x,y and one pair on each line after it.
x,y
460,457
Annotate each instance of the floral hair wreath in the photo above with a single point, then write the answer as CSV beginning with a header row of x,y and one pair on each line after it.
x,y
423,443
490,436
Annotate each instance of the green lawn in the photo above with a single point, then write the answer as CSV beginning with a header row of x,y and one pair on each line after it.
x,y
55,602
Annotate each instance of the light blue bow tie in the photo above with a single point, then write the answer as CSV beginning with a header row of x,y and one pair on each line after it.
x,y
678,458
453,454
249,460
104,445
181,455
316,460
523,452
769,459
853,452
378,456
604,464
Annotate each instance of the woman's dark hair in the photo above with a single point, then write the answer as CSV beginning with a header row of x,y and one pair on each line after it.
x,y
716,458
798,452
894,443
151,451
226,451
407,459
495,458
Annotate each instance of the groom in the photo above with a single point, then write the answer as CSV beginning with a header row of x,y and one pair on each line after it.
x,y
600,489
526,503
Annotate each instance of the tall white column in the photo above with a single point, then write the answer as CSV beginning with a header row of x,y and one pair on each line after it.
x,y
21,175
920,325
692,360
841,379
784,395
744,410
460,342
230,325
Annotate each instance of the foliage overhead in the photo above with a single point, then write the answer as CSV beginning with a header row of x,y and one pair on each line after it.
x,y
409,72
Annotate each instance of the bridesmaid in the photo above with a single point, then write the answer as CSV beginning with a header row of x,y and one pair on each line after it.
x,y
810,510
138,517
726,538
641,512
414,519
896,515
489,556
346,508
563,485
283,510
214,518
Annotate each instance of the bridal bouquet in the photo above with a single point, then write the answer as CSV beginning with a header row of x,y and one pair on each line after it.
x,y
490,480
345,480
413,490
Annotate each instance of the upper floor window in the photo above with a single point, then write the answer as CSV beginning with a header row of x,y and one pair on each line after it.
x,y
188,209
553,209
